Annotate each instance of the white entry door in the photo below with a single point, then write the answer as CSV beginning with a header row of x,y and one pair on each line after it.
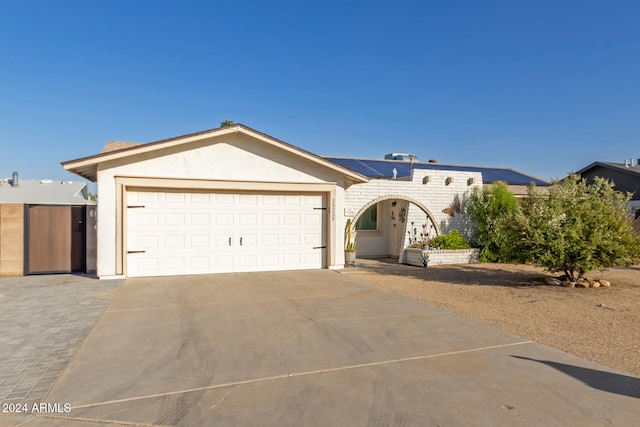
x,y
174,233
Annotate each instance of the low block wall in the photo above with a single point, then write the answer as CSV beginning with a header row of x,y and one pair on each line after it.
x,y
11,239
414,256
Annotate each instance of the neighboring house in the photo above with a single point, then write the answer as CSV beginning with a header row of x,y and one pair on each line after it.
x,y
46,226
233,199
626,177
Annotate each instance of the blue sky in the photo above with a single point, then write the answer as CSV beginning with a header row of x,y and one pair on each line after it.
x,y
545,87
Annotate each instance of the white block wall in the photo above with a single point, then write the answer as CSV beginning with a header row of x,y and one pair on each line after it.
x,y
442,257
437,193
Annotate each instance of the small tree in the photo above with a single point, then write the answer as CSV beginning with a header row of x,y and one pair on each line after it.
x,y
226,123
578,227
488,208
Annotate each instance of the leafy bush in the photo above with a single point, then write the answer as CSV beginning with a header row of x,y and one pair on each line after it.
x,y
489,208
578,227
451,240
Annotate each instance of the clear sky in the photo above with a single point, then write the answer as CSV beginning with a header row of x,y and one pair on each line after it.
x,y
545,87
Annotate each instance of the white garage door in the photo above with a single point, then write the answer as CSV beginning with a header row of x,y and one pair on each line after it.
x,y
172,233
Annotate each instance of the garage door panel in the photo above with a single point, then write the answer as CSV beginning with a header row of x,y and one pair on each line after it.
x,y
223,199
290,220
174,198
311,259
249,240
222,241
291,239
187,233
173,219
146,197
269,261
175,242
200,263
198,219
312,240
176,264
223,219
142,241
269,219
200,241
224,263
270,200
144,219
198,198
292,200
312,220
270,241
248,199
248,219
291,259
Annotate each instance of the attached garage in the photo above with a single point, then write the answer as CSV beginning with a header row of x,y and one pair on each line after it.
x,y
226,200
176,232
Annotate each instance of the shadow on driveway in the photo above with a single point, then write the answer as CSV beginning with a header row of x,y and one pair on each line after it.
x,y
606,381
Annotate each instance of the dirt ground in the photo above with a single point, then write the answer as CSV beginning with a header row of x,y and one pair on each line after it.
x,y
598,324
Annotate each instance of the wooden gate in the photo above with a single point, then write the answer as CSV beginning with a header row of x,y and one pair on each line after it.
x,y
55,239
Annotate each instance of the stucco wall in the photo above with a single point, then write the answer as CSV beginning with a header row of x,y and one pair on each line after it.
x,y
437,192
11,239
231,158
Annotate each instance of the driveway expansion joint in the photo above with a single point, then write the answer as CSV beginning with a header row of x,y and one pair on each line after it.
x,y
301,374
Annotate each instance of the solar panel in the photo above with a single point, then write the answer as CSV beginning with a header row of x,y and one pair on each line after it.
x,y
384,169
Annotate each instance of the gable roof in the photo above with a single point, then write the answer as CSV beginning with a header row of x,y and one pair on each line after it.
x,y
87,167
620,167
376,168
117,145
46,192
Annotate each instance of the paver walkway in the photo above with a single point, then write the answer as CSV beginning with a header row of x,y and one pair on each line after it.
x,y
44,319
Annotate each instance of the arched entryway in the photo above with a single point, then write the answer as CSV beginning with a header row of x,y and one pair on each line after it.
x,y
383,225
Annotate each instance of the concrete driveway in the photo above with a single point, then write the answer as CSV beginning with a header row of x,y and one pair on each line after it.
x,y
318,348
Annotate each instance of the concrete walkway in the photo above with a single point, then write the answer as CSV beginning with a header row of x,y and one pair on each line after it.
x,y
317,348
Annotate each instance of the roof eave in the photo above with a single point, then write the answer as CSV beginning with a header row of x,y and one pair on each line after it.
x,y
87,167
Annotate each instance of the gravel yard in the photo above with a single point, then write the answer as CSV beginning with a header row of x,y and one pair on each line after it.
x,y
598,324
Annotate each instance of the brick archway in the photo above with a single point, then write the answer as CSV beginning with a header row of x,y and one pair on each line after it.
x,y
395,197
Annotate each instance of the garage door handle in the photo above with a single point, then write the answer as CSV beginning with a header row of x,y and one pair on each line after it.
x,y
136,252
241,241
229,241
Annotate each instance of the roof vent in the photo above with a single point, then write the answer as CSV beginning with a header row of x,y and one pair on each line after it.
x,y
433,161
46,181
14,181
401,156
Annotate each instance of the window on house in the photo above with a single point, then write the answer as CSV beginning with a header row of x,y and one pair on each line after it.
x,y
368,221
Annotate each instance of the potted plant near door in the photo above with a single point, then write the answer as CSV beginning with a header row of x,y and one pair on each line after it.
x,y
349,246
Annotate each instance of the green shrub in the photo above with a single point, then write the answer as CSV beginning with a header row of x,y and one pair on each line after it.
x,y
576,228
489,209
451,240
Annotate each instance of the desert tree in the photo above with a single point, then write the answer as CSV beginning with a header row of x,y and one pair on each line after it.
x,y
575,228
